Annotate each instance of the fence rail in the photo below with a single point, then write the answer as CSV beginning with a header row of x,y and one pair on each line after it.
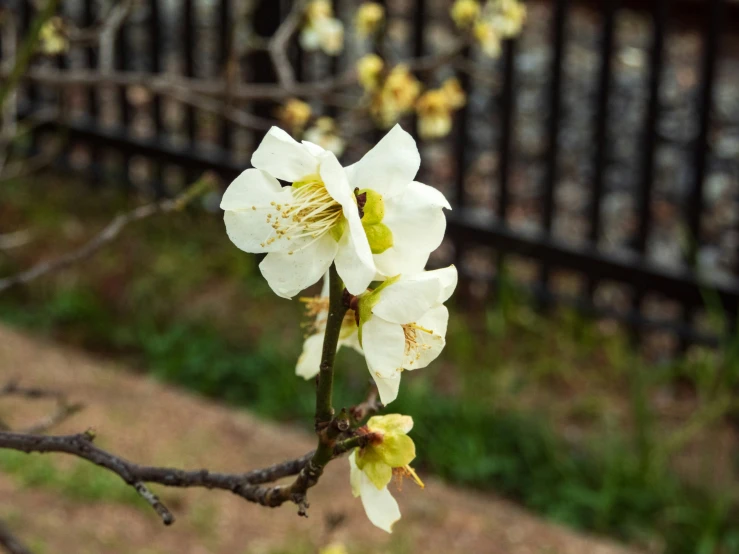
x,y
632,264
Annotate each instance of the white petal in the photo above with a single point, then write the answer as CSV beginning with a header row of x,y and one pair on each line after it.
x,y
430,345
252,187
379,505
313,148
394,261
383,344
355,474
354,258
336,182
309,362
249,228
447,278
283,157
288,274
389,167
388,387
407,300
417,221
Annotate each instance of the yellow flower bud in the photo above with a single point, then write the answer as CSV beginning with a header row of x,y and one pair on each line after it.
x,y
434,114
317,10
295,114
53,38
334,548
370,17
397,96
391,452
488,38
465,12
369,70
455,95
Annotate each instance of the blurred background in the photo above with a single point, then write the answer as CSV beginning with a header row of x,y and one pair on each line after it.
x,y
587,397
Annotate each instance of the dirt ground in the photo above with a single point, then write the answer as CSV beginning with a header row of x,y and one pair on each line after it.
x,y
149,422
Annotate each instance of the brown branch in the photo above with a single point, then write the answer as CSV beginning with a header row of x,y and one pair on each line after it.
x,y
370,406
245,485
110,24
10,543
326,89
108,234
64,408
278,45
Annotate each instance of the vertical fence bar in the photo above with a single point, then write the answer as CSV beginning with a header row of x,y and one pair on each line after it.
x,y
224,48
711,39
93,106
461,146
553,126
649,143
155,61
122,52
711,45
419,46
334,61
31,91
507,110
600,158
461,142
188,47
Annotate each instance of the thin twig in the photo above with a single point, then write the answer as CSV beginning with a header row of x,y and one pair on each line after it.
x,y
64,408
246,485
370,406
108,234
10,542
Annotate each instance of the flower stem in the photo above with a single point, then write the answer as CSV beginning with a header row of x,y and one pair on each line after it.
x,y
336,312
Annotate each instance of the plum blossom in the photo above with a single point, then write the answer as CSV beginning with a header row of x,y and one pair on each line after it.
x,y
303,228
387,455
403,219
402,325
322,31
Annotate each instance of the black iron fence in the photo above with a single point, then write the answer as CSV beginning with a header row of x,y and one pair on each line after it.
x,y
596,159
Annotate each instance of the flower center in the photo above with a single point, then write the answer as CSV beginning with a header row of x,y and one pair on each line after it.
x,y
414,346
311,214
316,310
404,472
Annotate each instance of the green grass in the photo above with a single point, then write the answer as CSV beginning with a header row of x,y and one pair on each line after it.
x,y
489,414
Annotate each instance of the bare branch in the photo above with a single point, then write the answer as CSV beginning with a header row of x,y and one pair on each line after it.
x,y
370,406
108,234
109,25
10,543
64,408
278,45
246,485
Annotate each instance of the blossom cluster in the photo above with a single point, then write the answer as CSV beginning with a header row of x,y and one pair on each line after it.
x,y
497,20
377,226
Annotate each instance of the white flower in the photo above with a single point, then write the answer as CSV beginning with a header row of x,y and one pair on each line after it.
x,y
322,30
402,325
403,219
309,362
379,505
304,227
372,467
